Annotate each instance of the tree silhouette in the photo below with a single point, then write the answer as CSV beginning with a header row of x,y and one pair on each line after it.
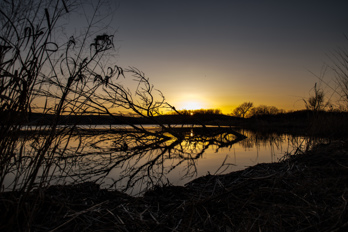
x,y
58,78
340,68
317,101
243,109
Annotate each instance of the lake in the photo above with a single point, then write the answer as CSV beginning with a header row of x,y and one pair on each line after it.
x,y
122,159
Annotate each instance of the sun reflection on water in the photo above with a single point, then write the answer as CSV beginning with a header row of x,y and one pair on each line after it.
x,y
136,161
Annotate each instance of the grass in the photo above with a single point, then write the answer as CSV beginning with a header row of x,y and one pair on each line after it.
x,y
306,191
303,192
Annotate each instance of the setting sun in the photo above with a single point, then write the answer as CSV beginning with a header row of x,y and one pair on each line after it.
x,y
192,105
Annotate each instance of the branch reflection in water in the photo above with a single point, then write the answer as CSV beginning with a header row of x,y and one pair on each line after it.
x,y
133,161
129,160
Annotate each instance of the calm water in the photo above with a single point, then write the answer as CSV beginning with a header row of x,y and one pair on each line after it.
x,y
134,162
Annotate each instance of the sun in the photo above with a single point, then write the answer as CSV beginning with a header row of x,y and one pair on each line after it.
x,y
191,105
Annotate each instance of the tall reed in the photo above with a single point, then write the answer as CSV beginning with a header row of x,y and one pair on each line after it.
x,y
42,73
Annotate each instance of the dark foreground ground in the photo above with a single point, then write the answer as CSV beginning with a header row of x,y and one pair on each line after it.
x,y
306,191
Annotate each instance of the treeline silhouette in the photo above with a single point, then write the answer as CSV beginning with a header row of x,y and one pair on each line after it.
x,y
197,112
247,110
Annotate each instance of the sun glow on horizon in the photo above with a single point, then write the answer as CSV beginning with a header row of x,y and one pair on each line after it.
x,y
191,105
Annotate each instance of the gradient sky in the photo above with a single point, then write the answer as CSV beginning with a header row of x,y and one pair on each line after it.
x,y
219,54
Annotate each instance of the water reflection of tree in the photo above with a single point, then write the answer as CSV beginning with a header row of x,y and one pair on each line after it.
x,y
262,139
274,141
140,158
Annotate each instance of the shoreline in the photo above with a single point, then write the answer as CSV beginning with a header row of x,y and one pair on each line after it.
x,y
305,191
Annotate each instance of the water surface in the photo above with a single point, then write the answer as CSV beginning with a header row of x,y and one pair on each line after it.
x,y
125,160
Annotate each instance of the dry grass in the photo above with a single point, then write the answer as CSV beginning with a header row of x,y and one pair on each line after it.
x,y
304,192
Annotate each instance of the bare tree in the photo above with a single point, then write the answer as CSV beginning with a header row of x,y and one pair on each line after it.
x,y
41,73
340,68
265,110
243,109
317,101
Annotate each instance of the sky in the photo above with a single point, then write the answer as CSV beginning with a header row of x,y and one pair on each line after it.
x,y
219,54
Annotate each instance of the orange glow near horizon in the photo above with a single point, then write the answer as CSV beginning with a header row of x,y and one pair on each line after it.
x,y
228,105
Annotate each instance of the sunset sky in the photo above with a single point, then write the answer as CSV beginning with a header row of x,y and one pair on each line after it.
x,y
219,54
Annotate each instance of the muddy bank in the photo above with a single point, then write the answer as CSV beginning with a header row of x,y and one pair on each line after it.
x,y
306,191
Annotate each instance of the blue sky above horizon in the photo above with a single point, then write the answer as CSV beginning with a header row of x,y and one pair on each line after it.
x,y
218,54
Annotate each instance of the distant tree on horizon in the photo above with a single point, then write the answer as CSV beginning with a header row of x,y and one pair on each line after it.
x,y
265,110
247,110
195,112
243,109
